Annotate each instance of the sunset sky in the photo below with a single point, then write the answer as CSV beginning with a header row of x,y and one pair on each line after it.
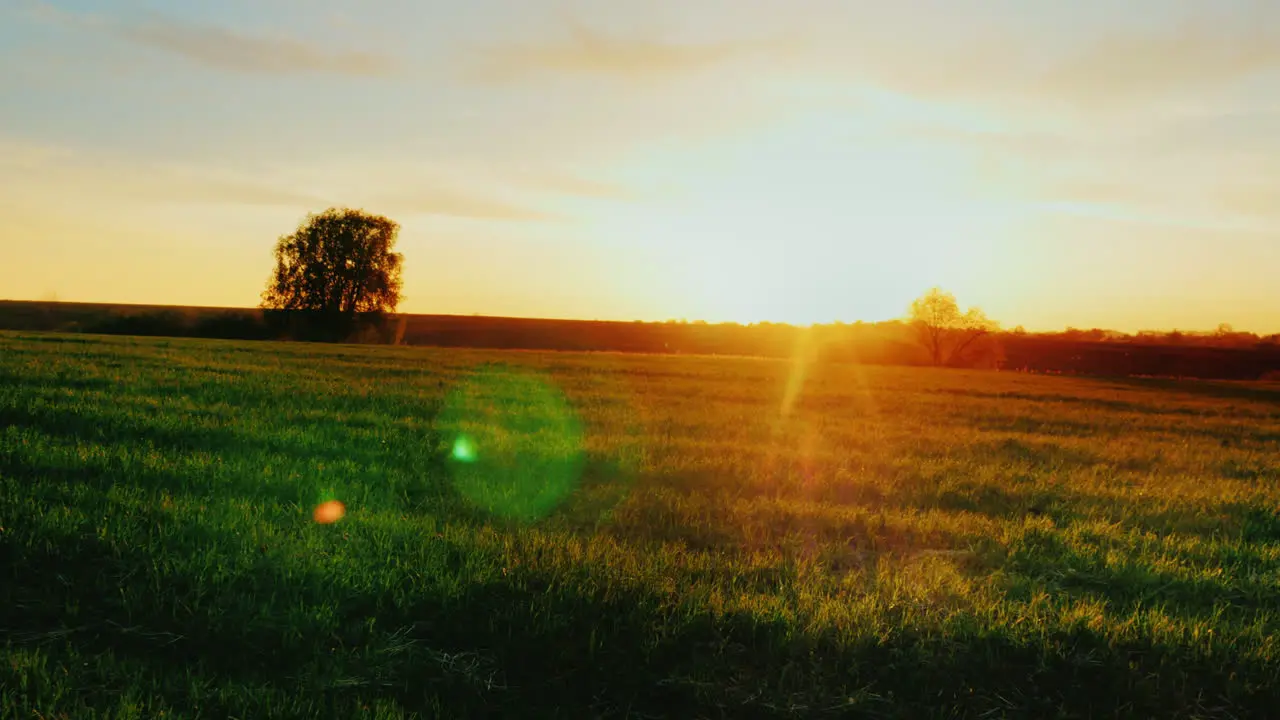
x,y
1088,163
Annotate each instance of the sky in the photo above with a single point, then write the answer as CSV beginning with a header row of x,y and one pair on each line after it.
x,y
1088,164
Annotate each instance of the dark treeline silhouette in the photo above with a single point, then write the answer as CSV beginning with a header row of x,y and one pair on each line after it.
x,y
881,342
1260,361
887,343
1223,337
144,320
196,322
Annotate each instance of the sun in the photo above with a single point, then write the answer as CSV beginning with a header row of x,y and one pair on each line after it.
x,y
811,221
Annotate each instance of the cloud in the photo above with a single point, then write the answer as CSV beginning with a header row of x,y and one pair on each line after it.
x,y
550,179
50,13
30,156
1030,67
589,52
49,171
1235,205
41,174
975,71
1140,67
170,185
452,203
1260,200
224,48
234,192
579,186
1205,168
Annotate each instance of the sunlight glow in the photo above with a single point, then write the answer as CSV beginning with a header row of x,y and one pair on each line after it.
x,y
813,220
801,358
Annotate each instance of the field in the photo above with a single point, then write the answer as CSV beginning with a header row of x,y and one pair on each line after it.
x,y
604,535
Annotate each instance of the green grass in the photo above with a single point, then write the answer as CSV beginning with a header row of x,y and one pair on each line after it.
x,y
656,537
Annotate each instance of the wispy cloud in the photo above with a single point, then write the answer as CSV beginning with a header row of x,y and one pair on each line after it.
x,y
538,179
1254,200
1147,196
1214,168
588,51
577,185
1020,68
30,156
48,179
225,48
1175,61
454,203
235,192
53,171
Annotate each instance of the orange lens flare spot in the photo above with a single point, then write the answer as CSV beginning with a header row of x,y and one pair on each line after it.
x,y
330,512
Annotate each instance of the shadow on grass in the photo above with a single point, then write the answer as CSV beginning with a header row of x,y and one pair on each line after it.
x,y
711,508
83,384
1038,425
1043,561
407,465
1065,506
539,645
225,442
1093,403
1038,455
1222,390
1107,427
559,644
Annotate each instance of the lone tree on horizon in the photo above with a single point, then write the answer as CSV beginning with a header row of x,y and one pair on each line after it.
x,y
338,264
945,332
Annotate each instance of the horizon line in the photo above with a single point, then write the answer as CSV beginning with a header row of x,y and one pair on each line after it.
x,y
667,321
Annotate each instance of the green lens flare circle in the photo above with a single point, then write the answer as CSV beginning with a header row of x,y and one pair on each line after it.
x,y
514,445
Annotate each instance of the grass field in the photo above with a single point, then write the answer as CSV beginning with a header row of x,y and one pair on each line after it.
x,y
576,535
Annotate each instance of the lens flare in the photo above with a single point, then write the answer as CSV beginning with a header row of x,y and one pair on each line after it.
x,y
329,512
464,450
802,357
514,445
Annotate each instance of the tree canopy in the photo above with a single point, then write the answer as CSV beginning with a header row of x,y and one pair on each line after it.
x,y
338,263
945,331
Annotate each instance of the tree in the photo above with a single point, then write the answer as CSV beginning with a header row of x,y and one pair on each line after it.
x,y
945,331
338,264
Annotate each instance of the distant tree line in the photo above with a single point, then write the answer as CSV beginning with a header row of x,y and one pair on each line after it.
x,y
1035,354
894,342
1223,337
337,278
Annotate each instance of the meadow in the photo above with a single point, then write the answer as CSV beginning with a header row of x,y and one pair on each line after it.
x,y
573,535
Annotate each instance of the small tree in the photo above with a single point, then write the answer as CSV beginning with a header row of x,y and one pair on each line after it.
x,y
946,332
336,265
